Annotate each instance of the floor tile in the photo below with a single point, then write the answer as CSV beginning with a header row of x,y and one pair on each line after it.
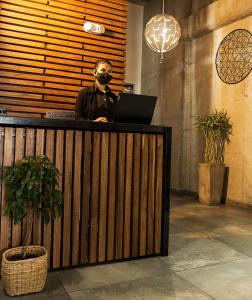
x,y
226,281
195,217
53,288
95,276
238,237
169,286
173,228
192,250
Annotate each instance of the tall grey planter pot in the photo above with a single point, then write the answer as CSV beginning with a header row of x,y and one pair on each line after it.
x,y
210,183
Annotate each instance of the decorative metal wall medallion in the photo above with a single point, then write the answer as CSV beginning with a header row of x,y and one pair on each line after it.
x,y
234,56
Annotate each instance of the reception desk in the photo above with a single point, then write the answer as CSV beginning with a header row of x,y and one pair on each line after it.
x,y
116,185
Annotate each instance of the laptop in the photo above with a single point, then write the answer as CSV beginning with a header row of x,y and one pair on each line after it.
x,y
134,108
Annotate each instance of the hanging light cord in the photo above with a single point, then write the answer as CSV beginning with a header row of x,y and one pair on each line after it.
x,y
161,51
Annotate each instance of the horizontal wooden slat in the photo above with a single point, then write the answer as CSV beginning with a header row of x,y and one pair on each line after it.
x,y
87,61
117,6
124,2
63,8
23,42
21,55
119,3
38,51
44,39
35,90
24,115
45,104
21,95
59,98
64,49
102,49
86,38
42,6
64,61
37,19
67,18
23,65
62,86
39,77
104,9
73,2
19,68
38,1
99,55
104,15
17,108
21,82
25,10
21,28
61,74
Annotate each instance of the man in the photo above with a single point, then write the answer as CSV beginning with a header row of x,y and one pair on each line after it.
x,y
97,102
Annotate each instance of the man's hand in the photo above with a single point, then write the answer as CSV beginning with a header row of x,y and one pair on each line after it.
x,y
101,120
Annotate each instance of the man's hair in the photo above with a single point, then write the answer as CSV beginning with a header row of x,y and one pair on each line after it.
x,y
102,61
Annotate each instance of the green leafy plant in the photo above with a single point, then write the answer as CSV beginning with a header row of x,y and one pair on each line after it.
x,y
31,187
217,128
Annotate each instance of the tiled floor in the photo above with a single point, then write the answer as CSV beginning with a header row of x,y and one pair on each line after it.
x,y
210,257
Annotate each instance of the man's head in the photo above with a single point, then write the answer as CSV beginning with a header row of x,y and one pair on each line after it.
x,y
103,71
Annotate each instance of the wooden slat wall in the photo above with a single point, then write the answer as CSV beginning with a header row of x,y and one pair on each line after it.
x,y
46,57
112,185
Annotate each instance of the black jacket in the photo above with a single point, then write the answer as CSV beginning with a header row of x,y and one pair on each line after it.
x,y
92,103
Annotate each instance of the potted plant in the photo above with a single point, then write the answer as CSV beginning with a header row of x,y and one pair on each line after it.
x,y
217,128
31,187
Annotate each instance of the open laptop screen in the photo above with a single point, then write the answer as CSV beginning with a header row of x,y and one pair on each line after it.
x,y
134,108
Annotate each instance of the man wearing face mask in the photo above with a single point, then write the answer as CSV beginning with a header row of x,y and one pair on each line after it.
x,y
97,102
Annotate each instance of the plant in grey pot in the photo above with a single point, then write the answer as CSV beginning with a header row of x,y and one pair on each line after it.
x,y
31,188
217,128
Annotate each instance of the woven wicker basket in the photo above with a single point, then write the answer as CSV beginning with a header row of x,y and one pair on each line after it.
x,y
24,276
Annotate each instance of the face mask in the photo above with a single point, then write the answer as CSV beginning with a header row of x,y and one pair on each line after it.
x,y
103,78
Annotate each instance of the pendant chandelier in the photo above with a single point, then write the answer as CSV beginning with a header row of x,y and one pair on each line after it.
x,y
162,33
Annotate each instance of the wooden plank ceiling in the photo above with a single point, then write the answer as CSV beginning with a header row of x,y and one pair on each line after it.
x,y
46,57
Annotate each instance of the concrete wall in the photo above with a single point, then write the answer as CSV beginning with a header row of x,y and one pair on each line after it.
x,y
205,92
133,51
165,81
190,86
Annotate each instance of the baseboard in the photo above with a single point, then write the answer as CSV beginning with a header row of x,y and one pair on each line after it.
x,y
238,204
224,201
184,192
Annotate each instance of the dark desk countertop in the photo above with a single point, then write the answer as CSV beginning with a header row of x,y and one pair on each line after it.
x,y
82,125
